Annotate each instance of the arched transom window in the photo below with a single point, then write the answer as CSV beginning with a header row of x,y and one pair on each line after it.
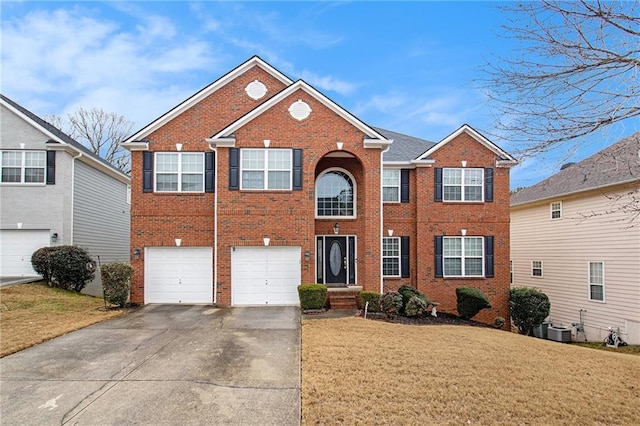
x,y
335,194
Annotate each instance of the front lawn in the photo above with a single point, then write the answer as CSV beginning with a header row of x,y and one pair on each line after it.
x,y
357,371
33,313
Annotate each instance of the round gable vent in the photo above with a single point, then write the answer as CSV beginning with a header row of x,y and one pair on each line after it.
x,y
299,110
256,89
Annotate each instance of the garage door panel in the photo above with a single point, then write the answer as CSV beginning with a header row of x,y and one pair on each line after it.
x,y
265,276
16,248
179,275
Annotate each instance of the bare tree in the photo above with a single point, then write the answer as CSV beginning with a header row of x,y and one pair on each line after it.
x,y
100,131
576,70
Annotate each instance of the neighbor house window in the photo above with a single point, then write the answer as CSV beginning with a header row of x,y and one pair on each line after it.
x,y
462,184
556,210
335,194
23,166
391,256
463,256
179,172
391,186
266,169
596,281
536,268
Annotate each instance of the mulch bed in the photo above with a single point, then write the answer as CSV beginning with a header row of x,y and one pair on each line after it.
x,y
443,318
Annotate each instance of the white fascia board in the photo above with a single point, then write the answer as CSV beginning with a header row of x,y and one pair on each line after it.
x,y
206,91
506,163
136,146
302,85
474,134
397,164
377,143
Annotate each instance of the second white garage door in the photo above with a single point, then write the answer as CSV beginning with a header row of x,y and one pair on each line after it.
x,y
178,275
265,276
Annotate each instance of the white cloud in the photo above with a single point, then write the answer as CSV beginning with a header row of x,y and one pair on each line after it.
x,y
328,82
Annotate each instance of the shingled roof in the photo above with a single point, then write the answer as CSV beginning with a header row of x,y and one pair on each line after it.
x,y
617,164
59,134
404,147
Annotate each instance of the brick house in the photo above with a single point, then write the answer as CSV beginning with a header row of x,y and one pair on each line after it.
x,y
257,183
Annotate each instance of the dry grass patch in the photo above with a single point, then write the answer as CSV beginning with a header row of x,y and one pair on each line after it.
x,y
357,371
33,313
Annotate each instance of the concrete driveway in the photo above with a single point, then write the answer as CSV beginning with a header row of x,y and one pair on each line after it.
x,y
162,364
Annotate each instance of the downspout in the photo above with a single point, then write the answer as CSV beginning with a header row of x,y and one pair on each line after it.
x,y
215,228
381,233
73,189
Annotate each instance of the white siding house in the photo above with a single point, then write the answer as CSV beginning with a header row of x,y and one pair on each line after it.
x,y
54,191
576,237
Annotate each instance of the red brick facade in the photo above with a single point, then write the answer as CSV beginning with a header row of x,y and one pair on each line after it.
x,y
288,218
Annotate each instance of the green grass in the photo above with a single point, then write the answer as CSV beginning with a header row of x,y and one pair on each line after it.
x,y
630,349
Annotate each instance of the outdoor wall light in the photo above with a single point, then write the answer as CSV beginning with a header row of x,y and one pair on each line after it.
x,y
307,256
54,237
336,228
136,254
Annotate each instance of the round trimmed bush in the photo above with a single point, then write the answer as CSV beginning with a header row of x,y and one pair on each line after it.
x,y
391,304
471,301
116,283
373,298
529,308
416,307
312,296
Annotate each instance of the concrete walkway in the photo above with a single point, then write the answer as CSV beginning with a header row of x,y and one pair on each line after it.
x,y
162,364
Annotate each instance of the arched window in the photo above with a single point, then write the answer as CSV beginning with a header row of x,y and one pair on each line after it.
x,y
335,194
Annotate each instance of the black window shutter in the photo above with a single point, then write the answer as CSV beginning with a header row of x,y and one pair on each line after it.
x,y
209,172
438,181
51,167
404,185
488,185
488,257
234,169
438,257
297,169
147,171
404,257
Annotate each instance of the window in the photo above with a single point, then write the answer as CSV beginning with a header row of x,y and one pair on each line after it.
x,y
556,210
179,172
511,271
391,256
335,194
536,268
596,281
266,169
462,184
463,256
391,186
23,166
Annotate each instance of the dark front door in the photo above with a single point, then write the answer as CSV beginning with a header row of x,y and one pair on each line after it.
x,y
335,260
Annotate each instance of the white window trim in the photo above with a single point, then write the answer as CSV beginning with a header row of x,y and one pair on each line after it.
x,y
541,269
463,257
462,185
397,186
589,283
553,210
266,170
354,195
23,167
179,172
399,257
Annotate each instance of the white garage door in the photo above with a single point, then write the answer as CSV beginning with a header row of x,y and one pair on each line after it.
x,y
265,276
16,248
178,275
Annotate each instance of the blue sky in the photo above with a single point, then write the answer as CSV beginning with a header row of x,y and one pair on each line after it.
x,y
409,67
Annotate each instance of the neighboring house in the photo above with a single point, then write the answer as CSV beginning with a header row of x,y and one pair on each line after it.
x,y
54,191
257,183
576,237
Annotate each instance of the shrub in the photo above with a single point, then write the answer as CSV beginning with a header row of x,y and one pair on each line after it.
x,y
408,292
529,307
312,296
116,282
391,303
470,301
416,306
373,298
41,262
66,267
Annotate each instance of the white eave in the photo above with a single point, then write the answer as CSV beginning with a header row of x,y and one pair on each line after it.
x,y
136,145
373,139
506,160
205,92
228,142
